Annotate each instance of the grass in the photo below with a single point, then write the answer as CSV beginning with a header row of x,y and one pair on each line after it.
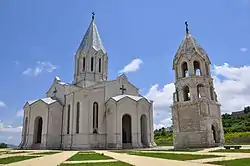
x,y
46,153
232,150
178,150
8,160
172,156
121,151
88,156
16,152
2,152
237,162
118,163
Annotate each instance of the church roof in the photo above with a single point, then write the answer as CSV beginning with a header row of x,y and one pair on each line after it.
x,y
91,39
47,100
119,97
189,46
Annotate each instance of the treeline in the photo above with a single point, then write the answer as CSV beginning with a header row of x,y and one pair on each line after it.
x,y
237,123
3,145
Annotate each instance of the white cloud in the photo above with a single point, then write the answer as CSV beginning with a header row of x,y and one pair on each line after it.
x,y
20,113
233,88
10,137
162,98
9,128
2,104
243,49
40,67
133,66
232,85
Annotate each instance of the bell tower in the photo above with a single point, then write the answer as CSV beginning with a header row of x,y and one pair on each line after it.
x,y
91,60
196,113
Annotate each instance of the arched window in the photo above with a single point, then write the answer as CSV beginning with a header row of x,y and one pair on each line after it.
x,y
77,116
95,115
100,65
212,92
77,66
92,63
68,120
184,68
197,68
177,95
207,69
199,87
83,64
186,93
176,74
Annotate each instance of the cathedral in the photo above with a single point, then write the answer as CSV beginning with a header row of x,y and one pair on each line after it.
x,y
92,112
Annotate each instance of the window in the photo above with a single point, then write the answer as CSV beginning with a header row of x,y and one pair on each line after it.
x,y
212,92
95,115
92,63
197,69
100,65
199,90
68,121
77,116
83,64
177,95
77,66
184,68
207,69
186,93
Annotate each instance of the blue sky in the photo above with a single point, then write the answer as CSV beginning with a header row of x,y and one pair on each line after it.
x,y
39,39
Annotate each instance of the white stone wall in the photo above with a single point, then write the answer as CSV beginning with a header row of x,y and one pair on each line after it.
x,y
116,110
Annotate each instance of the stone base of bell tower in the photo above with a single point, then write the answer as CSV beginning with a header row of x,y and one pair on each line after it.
x,y
199,139
197,125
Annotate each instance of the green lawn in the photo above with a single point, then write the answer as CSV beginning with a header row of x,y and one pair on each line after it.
x,y
233,150
88,156
178,150
46,153
16,152
172,156
8,160
118,163
121,151
237,162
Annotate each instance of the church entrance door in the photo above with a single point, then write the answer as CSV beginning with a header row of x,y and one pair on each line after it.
x,y
126,131
38,130
144,134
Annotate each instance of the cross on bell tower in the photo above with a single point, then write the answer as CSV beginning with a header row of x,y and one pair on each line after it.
x,y
123,89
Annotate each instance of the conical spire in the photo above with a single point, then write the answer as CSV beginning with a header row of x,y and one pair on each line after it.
x,y
91,38
189,47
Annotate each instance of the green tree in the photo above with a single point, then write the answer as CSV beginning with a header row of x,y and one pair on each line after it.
x,y
3,145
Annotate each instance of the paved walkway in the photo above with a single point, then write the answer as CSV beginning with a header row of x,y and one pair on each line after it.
x,y
47,160
148,161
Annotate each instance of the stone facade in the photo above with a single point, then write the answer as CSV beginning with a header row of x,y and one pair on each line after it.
x,y
196,113
92,112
